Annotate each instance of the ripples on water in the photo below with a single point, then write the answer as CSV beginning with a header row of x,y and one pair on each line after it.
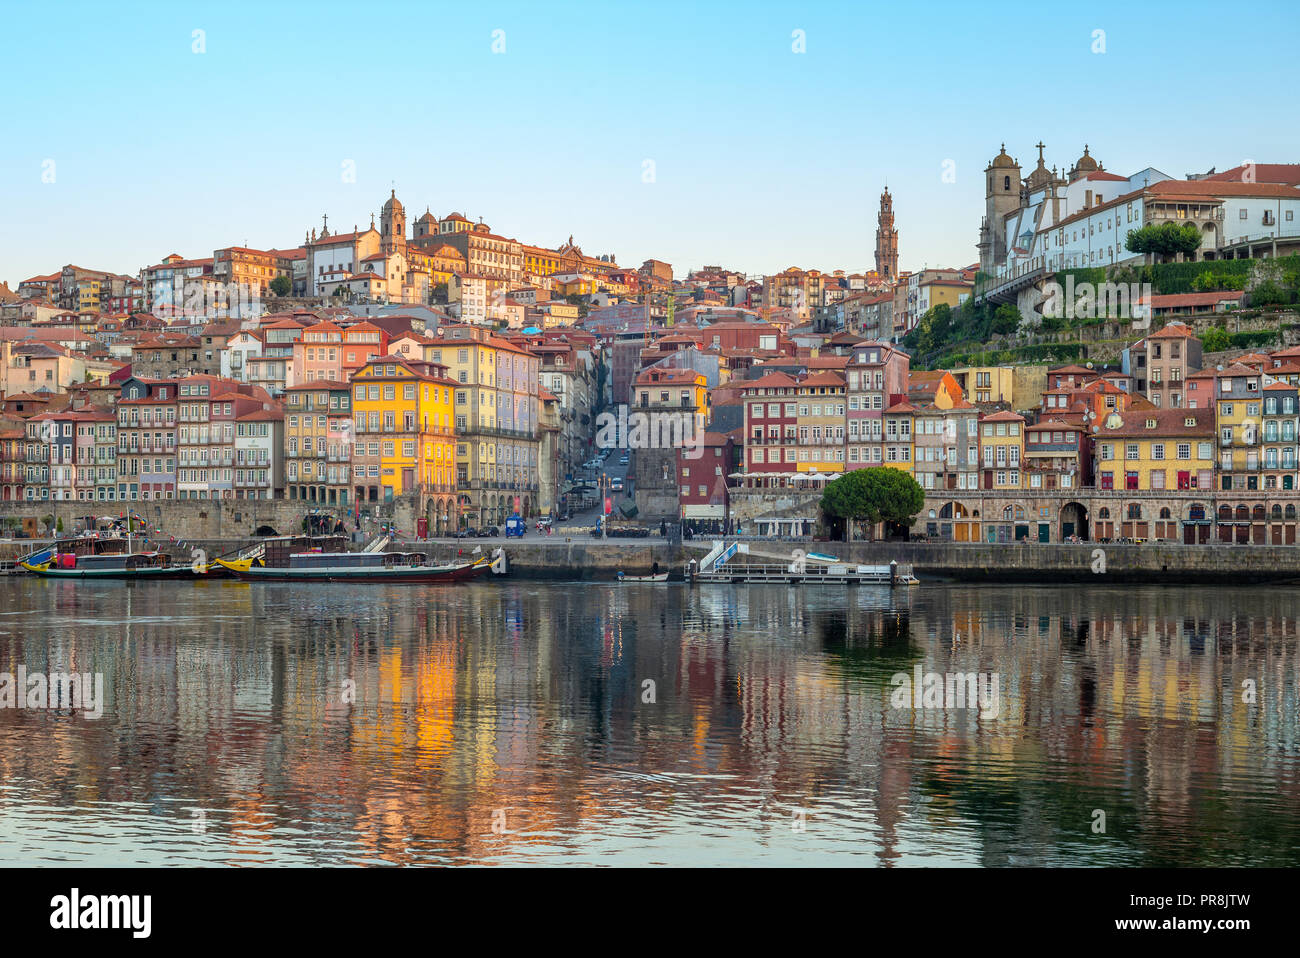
x,y
508,723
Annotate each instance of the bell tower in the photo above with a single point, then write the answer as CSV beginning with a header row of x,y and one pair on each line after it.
x,y
1002,195
886,239
392,226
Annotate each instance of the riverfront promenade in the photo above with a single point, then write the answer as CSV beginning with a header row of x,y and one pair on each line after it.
x,y
583,557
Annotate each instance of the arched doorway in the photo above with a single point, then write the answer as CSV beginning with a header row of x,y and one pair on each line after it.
x,y
1074,521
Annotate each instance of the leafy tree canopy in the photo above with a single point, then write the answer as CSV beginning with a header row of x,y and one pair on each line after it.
x,y
1164,239
876,494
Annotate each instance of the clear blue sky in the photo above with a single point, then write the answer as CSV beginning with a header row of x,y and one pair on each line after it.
x,y
764,158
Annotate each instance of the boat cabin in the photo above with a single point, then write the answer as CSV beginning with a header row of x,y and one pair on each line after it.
x,y
356,560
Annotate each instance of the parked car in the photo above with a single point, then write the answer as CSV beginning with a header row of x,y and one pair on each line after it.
x,y
489,532
469,532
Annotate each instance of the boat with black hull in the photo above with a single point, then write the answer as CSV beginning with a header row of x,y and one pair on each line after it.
x,y
363,567
118,565
104,553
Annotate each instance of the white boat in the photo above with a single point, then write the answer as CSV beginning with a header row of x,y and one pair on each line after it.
x,y
799,567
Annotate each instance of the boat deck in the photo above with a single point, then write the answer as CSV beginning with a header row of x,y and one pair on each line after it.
x,y
836,574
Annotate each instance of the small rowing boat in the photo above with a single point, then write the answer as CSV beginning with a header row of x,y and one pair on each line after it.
x,y
658,577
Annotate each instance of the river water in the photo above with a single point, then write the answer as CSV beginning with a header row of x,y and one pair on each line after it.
x,y
523,723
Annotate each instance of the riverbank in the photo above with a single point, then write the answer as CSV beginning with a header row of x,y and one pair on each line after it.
x,y
585,559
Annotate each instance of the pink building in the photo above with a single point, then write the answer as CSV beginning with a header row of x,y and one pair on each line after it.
x,y
877,376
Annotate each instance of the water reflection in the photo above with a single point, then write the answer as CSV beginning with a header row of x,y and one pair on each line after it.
x,y
526,723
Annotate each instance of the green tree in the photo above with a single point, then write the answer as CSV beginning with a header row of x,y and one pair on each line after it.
x,y
1215,340
935,328
876,494
281,286
1164,239
1006,320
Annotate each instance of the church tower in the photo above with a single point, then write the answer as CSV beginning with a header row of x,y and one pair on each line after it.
x,y
886,239
1002,195
392,226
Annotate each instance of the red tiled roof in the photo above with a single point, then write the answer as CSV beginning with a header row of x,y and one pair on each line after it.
x,y
1261,173
1176,300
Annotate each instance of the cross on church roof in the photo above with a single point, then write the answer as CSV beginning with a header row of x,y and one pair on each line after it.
x,y
1040,145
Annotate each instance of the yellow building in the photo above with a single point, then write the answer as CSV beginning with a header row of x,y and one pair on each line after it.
x,y
573,284
1002,450
496,422
1156,449
318,442
404,434
989,384
88,290
1238,406
820,408
899,448
669,389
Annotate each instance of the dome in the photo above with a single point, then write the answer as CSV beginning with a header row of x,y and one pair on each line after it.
x,y
427,218
1085,163
1003,161
393,203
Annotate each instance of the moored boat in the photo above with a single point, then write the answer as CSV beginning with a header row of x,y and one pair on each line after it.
x,y
657,577
121,565
358,567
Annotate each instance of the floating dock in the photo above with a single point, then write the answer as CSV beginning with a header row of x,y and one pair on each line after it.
x,y
800,567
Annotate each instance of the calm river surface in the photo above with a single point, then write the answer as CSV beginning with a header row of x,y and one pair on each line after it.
x,y
509,723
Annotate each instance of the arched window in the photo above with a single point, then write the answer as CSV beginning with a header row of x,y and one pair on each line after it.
x,y
1007,513
1225,513
1006,182
1243,512
1276,511
1290,510
1257,512
1165,514
1103,513
1134,511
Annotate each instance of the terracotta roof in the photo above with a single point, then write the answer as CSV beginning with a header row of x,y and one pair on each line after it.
x,y
1211,189
318,384
1168,422
1175,300
771,381
1261,173
825,378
